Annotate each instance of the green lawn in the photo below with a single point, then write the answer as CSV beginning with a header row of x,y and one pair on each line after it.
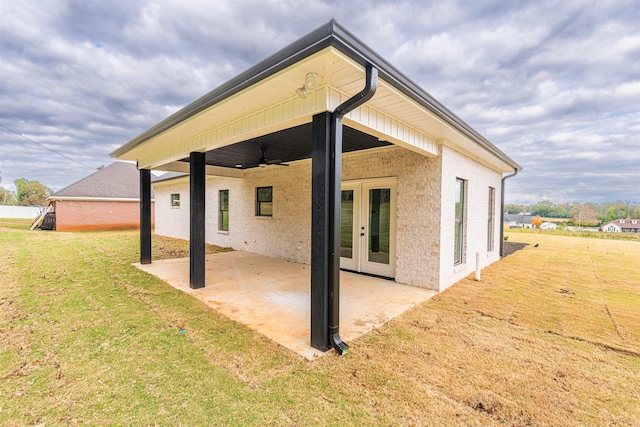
x,y
549,337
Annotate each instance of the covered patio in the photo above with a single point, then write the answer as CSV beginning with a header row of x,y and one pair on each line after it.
x,y
272,296
350,129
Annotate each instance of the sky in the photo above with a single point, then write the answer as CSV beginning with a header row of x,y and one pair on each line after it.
x,y
554,84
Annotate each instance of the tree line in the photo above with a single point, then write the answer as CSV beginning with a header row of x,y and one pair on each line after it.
x,y
28,193
579,213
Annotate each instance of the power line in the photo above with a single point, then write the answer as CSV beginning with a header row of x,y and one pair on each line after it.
x,y
47,148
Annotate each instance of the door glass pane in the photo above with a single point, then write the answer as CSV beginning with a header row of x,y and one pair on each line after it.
x,y
346,224
379,225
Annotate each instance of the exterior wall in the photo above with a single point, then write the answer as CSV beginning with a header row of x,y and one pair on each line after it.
x,y
287,234
611,228
284,235
479,178
173,221
418,209
83,215
425,232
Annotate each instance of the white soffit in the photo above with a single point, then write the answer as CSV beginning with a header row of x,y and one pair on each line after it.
x,y
272,105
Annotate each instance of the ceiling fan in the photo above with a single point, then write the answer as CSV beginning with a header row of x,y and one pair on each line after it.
x,y
263,162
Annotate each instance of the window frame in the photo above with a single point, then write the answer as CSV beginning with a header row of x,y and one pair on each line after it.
x,y
222,211
174,201
263,203
491,219
459,221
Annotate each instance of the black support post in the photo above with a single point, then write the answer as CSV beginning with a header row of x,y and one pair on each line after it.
x,y
197,227
326,180
320,231
333,223
145,216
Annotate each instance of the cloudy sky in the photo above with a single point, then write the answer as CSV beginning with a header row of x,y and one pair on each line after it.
x,y
554,84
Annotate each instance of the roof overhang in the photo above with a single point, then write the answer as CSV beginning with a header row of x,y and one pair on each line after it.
x,y
262,101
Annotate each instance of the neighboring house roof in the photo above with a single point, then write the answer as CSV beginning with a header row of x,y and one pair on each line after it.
x,y
628,223
518,219
119,180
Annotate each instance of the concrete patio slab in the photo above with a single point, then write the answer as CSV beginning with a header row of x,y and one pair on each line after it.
x,y
272,296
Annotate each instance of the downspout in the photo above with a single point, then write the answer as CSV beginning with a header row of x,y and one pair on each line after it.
x,y
515,172
336,133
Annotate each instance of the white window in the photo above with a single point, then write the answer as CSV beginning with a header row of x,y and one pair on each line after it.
x,y
223,210
459,221
175,200
491,216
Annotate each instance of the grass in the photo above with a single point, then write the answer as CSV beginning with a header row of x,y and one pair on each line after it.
x,y
634,237
548,337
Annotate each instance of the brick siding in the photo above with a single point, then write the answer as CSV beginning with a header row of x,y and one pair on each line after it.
x,y
82,215
479,178
421,258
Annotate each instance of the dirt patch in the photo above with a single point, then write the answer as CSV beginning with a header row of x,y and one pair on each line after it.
x,y
512,247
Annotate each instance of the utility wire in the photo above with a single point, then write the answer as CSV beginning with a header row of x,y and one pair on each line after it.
x,y
47,148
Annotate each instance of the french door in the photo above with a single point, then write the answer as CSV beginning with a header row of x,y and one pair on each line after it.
x,y
367,226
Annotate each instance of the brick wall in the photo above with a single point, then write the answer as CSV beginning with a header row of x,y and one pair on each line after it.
x,y
479,178
424,235
81,215
418,208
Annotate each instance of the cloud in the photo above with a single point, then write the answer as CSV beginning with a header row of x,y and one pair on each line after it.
x,y
554,85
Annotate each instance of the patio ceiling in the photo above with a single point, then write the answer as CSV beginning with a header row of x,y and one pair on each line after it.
x,y
260,107
286,145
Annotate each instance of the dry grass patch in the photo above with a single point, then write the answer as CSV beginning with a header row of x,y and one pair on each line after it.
x,y
548,337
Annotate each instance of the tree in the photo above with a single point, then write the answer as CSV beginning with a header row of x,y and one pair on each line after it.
x,y
536,221
7,197
560,211
544,208
584,215
31,193
514,209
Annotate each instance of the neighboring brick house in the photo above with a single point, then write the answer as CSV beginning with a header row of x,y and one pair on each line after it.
x,y
380,178
108,199
626,225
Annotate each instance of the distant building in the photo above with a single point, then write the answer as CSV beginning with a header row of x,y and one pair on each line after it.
x,y
548,226
108,199
626,225
518,220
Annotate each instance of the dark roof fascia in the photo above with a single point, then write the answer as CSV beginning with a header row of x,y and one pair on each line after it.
x,y
358,51
330,34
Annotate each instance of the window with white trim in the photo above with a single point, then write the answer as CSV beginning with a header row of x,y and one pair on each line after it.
x,y
175,200
491,219
223,210
458,255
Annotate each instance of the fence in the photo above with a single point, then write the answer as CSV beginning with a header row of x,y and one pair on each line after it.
x,y
20,211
